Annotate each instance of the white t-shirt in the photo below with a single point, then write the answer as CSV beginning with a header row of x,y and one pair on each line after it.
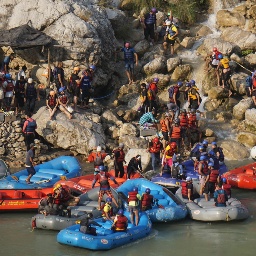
x,y
8,94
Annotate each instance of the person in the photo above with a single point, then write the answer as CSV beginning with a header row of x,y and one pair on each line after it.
x,y
120,223
75,86
29,129
22,72
148,118
46,205
107,209
143,99
220,196
165,124
97,157
102,177
52,103
174,93
175,133
169,151
134,165
9,56
20,94
85,89
130,57
63,102
202,171
59,75
149,25
184,127
1,94
154,148
212,178
177,169
152,94
173,110
9,86
253,90
187,189
86,225
92,69
226,187
30,162
194,98
119,160
170,37
147,200
134,202
217,152
31,95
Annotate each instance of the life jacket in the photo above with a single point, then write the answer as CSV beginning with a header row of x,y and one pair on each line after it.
x,y
204,168
133,196
85,83
214,174
221,199
146,200
110,210
156,147
170,152
120,159
150,93
31,90
52,101
171,32
176,132
31,126
192,121
150,19
98,159
254,83
63,99
171,92
183,120
227,189
20,87
225,63
184,189
65,196
128,54
192,93
121,222
163,125
248,81
215,55
10,86
103,180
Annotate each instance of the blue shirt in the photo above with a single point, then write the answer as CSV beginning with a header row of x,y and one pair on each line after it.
x,y
215,196
147,118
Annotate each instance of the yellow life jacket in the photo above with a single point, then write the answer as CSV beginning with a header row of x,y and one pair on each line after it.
x,y
225,63
193,93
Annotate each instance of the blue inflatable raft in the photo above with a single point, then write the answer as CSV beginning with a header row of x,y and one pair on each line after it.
x,y
167,207
47,174
106,239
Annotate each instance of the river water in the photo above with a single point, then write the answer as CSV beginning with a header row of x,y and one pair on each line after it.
x,y
186,237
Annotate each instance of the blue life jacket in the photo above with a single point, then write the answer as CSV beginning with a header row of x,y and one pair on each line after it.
x,y
248,81
31,91
150,19
128,53
31,127
86,84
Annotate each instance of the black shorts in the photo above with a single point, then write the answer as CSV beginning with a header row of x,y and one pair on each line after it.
x,y
165,135
254,93
209,187
170,41
31,170
76,92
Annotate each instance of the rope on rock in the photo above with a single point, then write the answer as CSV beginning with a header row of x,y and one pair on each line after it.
x,y
105,96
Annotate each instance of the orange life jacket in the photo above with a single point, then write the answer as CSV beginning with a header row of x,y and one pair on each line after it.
x,y
214,176
146,200
192,121
184,189
254,83
183,121
121,222
163,125
133,196
156,147
176,132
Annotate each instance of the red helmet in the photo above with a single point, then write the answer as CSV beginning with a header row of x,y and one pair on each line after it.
x,y
156,140
214,49
173,144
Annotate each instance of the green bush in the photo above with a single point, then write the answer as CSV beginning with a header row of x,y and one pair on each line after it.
x,y
246,52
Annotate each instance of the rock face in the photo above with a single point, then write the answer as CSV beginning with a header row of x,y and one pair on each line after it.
x,y
145,157
247,138
154,66
241,107
227,18
234,150
79,135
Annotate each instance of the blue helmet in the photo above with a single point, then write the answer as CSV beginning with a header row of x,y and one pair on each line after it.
x,y
202,158
154,10
205,142
179,83
214,143
8,76
62,89
193,82
220,56
93,67
201,148
120,212
224,180
108,199
147,190
135,189
188,84
155,80
210,164
102,168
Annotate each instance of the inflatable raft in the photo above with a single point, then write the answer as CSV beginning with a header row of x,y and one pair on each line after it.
x,y
203,210
242,177
3,169
106,239
47,174
167,207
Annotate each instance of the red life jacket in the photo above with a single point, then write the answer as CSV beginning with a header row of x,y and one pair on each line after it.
x,y
133,196
146,200
221,199
120,159
227,189
192,122
57,200
204,168
121,222
184,189
63,99
176,132
110,212
103,180
183,121
98,159
52,101
214,176
156,147
9,87
170,152
254,83
163,125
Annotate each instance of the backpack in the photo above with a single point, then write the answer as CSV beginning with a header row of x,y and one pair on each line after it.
x,y
171,92
221,199
248,81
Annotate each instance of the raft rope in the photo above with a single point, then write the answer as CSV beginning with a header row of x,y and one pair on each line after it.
x,y
105,96
243,66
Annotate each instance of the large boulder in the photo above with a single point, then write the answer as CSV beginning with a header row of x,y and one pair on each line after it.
x,y
155,66
128,129
247,138
204,31
145,156
211,104
80,134
217,93
238,83
181,72
164,80
133,141
172,63
234,150
141,47
227,18
251,59
188,42
240,109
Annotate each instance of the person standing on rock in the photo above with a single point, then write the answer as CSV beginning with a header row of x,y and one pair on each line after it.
x,y
119,160
253,90
52,103
143,99
194,98
31,94
85,89
9,86
170,37
63,102
29,129
130,57
20,94
59,75
154,148
30,162
152,94
75,86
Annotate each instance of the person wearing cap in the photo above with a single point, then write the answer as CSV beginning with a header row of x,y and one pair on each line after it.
x,y
174,93
148,118
31,95
97,158
149,25
29,128
202,171
52,103
187,189
152,94
155,147
63,102
29,163
86,225
134,165
119,160
75,86
177,168
130,57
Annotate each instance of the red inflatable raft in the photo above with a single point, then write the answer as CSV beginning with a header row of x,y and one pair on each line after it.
x,y
242,177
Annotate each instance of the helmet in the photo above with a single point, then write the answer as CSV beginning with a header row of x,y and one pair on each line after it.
x,y
93,67
61,89
205,142
193,82
202,158
120,212
76,68
173,144
98,149
156,140
220,56
121,145
155,80
193,110
210,164
224,180
57,187
108,199
201,148
154,10
176,120
101,168
147,190
214,143
188,179
8,76
135,189
179,83
214,49
127,45
188,84
89,215
30,80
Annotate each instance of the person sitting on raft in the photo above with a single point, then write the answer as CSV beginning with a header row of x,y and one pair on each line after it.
x,y
46,205
134,202
134,165
220,196
147,200
107,209
226,187
187,189
85,225
120,223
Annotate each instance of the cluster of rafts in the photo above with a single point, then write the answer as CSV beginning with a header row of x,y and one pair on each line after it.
x,y
16,194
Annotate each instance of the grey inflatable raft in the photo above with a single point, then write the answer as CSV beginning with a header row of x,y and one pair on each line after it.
x,y
203,210
88,203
